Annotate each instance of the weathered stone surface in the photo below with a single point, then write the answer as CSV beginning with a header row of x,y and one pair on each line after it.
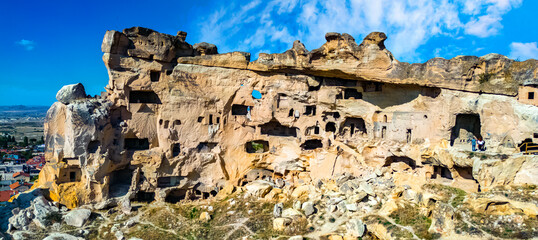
x,y
61,236
280,224
238,60
258,188
77,217
204,48
70,93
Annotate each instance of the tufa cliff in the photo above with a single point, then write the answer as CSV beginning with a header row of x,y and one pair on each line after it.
x,y
181,121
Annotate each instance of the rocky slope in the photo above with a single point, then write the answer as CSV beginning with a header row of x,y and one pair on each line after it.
x,y
351,141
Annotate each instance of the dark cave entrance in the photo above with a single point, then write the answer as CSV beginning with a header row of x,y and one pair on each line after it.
x,y
258,146
467,126
312,144
175,195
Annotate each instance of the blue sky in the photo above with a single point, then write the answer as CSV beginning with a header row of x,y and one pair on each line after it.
x,y
48,44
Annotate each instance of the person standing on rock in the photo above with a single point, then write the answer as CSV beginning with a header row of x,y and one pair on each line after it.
x,y
473,143
481,144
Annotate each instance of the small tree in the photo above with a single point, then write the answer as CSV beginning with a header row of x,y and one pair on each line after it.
x,y
25,142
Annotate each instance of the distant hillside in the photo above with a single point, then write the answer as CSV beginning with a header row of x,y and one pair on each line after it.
x,y
17,111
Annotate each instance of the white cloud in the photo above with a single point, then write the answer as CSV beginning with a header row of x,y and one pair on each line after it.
x,y
488,23
409,24
26,44
523,51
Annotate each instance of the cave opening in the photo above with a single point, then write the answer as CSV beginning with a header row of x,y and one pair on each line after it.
x,y
258,146
312,144
175,196
353,125
136,144
393,159
239,109
467,127
352,93
169,181
465,172
310,110
205,147
155,75
176,149
144,97
120,182
274,128
442,172
330,127
93,146
147,197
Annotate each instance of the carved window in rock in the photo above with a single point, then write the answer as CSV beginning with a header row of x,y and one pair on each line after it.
x,y
531,95
310,110
352,93
330,127
408,136
239,110
353,126
149,97
176,149
155,76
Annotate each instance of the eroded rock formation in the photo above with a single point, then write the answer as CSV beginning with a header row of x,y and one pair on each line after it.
x,y
179,121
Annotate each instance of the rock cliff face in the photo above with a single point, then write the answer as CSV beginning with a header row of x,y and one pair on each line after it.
x,y
180,121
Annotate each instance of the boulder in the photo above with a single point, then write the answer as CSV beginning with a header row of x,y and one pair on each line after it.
x,y
302,191
277,210
356,227
204,48
308,208
259,188
291,213
280,224
77,217
61,236
204,216
70,93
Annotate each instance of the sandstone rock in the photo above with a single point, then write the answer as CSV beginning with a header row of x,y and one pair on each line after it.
x,y
298,237
302,192
70,93
204,48
258,188
204,216
77,217
291,213
335,237
280,224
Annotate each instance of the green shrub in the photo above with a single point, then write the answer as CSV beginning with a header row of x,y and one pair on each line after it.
x,y
484,77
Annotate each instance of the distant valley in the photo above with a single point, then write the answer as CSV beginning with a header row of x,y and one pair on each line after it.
x,y
20,121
